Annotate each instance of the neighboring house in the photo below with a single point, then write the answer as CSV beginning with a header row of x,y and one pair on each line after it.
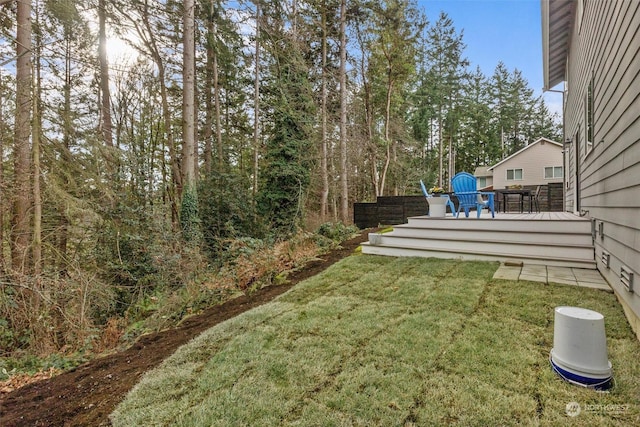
x,y
539,163
594,47
484,178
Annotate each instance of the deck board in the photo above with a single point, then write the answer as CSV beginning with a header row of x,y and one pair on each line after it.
x,y
540,216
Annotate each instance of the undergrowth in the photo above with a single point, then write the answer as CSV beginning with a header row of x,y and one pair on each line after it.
x,y
53,324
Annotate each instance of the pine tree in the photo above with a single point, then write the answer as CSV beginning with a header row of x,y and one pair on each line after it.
x,y
445,74
21,230
476,145
286,169
189,218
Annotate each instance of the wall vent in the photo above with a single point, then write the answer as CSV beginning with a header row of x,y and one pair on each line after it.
x,y
626,278
606,257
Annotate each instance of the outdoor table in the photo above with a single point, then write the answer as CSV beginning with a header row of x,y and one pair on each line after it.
x,y
504,195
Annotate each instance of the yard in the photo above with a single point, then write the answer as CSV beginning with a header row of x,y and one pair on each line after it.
x,y
391,341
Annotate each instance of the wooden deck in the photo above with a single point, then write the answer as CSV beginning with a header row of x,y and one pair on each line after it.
x,y
548,238
500,216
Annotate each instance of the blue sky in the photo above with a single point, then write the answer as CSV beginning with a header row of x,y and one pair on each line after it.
x,y
499,30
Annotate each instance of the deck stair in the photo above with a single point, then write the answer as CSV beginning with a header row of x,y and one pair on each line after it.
x,y
551,238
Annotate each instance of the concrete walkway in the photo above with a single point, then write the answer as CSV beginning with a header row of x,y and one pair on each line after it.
x,y
548,274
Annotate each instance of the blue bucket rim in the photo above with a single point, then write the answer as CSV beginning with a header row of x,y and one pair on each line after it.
x,y
573,378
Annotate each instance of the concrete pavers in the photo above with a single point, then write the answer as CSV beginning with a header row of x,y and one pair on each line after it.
x,y
549,274
507,272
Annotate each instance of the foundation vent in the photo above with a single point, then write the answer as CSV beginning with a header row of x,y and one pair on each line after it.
x,y
606,257
626,278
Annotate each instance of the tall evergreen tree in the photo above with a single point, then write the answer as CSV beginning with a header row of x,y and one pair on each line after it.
x,y
20,221
286,167
344,176
445,74
476,145
189,217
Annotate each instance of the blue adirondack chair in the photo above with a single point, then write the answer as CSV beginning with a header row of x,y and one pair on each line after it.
x,y
464,188
446,196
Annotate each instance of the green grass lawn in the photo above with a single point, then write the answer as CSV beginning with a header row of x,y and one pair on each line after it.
x,y
381,341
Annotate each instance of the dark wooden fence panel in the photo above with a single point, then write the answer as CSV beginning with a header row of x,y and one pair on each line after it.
x,y
555,197
365,215
414,206
389,210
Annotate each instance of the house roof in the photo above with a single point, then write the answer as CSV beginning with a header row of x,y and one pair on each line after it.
x,y
517,153
482,171
557,18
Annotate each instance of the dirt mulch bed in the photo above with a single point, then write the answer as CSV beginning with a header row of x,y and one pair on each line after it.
x,y
87,395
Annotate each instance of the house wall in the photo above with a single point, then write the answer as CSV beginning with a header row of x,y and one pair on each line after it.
x,y
488,182
532,161
605,49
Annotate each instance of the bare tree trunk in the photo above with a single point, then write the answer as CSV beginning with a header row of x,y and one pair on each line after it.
x,y
370,143
344,201
22,189
216,98
368,113
67,130
324,169
208,84
440,151
294,19
196,137
3,201
175,190
105,105
188,96
212,111
387,121
256,104
37,196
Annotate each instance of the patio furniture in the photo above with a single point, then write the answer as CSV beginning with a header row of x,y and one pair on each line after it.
x,y
464,188
536,199
505,195
442,196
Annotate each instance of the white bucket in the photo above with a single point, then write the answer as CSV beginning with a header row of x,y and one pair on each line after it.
x,y
579,352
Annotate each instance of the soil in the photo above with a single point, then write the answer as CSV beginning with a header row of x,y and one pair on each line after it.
x,y
86,395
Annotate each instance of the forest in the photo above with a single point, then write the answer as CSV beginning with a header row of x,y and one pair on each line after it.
x,y
229,146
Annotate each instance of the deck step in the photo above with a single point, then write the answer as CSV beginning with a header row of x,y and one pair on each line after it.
x,y
559,240
518,236
469,256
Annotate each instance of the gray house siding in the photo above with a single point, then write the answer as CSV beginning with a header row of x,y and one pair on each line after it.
x,y
605,52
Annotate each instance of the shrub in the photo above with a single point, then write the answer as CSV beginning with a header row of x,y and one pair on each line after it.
x,y
227,212
336,231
